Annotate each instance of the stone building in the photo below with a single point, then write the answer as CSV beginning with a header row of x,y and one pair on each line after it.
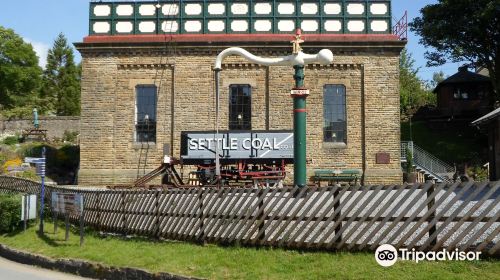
x,y
147,76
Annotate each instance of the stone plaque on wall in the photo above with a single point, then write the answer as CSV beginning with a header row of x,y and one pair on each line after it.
x,y
383,158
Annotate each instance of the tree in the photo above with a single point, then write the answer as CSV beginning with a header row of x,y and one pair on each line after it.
x,y
437,78
413,94
19,73
61,85
462,30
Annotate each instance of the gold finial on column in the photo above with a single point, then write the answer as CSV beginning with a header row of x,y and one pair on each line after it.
x,y
296,43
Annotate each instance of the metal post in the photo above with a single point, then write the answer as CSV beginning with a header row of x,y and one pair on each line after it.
x,y
66,222
54,217
26,210
299,129
42,194
82,221
217,102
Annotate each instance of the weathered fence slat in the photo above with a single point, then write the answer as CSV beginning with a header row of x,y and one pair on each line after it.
x,y
257,207
430,211
364,217
218,212
336,217
284,223
458,209
300,219
193,202
473,209
428,216
295,195
336,199
392,225
483,229
262,229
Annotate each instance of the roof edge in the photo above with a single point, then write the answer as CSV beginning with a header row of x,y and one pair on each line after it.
x,y
189,38
486,118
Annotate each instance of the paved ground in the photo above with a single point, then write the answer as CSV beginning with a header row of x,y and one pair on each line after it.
x,y
10,270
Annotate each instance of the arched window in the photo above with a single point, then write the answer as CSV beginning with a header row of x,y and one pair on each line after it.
x,y
334,114
240,107
145,113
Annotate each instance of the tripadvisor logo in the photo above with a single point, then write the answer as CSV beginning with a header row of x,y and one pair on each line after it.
x,y
387,255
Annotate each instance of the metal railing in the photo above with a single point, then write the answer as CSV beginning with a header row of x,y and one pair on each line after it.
x,y
401,27
426,161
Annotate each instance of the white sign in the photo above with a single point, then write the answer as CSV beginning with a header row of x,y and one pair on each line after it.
x,y
30,204
238,145
34,160
299,92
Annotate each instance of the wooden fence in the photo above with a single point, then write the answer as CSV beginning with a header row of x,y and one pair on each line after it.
x,y
422,216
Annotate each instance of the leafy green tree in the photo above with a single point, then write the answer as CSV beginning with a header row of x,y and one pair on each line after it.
x,y
462,30
413,92
20,75
437,78
61,80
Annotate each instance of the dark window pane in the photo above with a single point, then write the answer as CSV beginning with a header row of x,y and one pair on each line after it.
x,y
240,107
145,118
334,114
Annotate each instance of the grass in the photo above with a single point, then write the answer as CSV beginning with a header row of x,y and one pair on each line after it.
x,y
217,262
455,142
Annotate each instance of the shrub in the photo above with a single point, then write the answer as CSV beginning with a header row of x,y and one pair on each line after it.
x,y
3,158
28,174
11,163
11,140
70,136
10,212
409,168
478,173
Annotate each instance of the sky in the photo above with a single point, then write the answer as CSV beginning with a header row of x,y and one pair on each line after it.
x,y
40,21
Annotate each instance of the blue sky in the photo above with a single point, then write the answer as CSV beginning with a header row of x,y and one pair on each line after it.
x,y
39,22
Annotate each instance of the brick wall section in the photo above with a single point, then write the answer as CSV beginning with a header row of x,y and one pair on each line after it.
x,y
186,102
55,126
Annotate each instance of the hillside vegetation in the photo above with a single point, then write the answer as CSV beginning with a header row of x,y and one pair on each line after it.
x,y
456,143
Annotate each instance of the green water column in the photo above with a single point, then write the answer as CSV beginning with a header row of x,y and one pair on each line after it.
x,y
299,127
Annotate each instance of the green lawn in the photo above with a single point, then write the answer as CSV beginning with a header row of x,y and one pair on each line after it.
x,y
216,262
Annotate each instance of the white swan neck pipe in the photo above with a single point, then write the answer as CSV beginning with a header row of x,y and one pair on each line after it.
x,y
324,56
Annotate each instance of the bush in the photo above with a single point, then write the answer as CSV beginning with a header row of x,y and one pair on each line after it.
x,y
3,158
11,140
70,136
478,173
18,112
409,168
11,164
10,212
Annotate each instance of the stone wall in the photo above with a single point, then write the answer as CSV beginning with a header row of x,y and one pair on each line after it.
x,y
186,102
55,126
